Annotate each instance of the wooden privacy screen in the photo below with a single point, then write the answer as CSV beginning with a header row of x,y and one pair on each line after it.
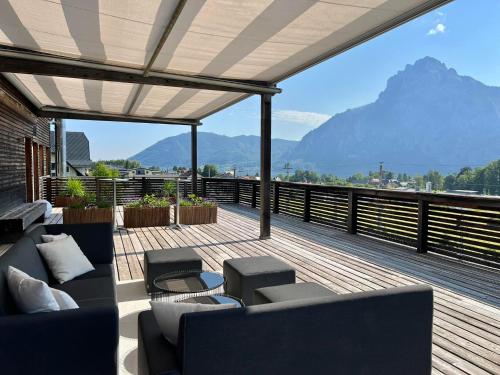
x,y
464,227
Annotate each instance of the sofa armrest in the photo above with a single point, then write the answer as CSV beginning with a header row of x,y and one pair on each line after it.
x,y
80,341
95,240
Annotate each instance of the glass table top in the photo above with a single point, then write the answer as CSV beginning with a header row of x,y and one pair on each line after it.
x,y
189,281
214,299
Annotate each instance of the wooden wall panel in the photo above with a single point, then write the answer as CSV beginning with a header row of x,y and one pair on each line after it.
x,y
16,124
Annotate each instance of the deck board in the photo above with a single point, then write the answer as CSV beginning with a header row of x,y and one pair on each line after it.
x,y
466,337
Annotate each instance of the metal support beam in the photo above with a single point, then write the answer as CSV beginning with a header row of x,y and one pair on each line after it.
x,y
60,147
17,61
57,112
265,167
194,159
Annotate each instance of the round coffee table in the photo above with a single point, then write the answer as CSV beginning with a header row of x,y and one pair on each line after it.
x,y
175,286
214,299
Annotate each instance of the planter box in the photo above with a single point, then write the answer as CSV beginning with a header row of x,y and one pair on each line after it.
x,y
134,217
197,214
63,201
87,215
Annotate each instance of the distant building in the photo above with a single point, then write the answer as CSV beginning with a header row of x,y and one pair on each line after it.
x,y
78,161
187,175
145,172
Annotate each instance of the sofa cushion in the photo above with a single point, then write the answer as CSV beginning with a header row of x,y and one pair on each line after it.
x,y
100,270
82,291
155,354
65,259
290,292
24,256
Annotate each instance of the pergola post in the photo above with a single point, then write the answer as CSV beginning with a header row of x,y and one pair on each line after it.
x,y
194,159
265,166
60,148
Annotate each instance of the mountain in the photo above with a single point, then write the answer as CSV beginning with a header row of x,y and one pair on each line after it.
x,y
428,117
242,151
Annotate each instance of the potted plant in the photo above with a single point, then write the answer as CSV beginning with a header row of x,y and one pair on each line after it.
x,y
88,210
149,211
170,191
196,210
73,192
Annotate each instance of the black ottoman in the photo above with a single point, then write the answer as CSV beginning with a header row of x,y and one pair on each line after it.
x,y
158,262
244,275
290,292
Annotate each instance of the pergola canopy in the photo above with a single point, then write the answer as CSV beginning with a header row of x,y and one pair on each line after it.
x,y
176,61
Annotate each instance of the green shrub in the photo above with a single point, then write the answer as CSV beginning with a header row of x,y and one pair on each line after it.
x,y
74,188
169,189
150,200
193,200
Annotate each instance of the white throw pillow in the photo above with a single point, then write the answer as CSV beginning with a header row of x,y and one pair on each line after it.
x,y
168,315
31,295
53,237
48,207
63,299
65,259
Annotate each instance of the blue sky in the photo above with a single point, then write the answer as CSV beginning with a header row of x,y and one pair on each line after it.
x,y
464,35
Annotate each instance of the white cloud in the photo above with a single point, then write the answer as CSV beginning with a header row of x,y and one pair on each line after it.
x,y
440,14
310,119
439,28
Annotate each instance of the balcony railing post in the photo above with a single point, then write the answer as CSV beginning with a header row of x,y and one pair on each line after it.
x,y
48,189
352,212
97,189
276,205
144,186
185,189
423,225
236,191
203,187
307,205
254,195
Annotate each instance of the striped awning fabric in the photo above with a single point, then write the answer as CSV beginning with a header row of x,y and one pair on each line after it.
x,y
261,41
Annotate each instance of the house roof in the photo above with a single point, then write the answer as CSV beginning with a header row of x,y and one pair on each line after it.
x,y
77,149
176,61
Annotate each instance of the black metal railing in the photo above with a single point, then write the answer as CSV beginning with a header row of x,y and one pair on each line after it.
x,y
126,191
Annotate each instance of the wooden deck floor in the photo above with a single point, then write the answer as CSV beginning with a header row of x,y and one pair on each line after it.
x,y
467,298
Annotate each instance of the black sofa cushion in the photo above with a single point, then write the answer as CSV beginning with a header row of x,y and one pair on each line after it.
x,y
24,256
158,262
290,292
99,288
101,270
244,275
155,354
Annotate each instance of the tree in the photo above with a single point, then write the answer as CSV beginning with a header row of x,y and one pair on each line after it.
x,y
209,170
435,178
102,170
419,182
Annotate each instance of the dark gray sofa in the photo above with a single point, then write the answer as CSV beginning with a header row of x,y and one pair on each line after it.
x,y
80,341
379,332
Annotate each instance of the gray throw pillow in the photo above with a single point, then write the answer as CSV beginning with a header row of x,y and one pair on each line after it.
x,y
53,237
65,259
33,296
